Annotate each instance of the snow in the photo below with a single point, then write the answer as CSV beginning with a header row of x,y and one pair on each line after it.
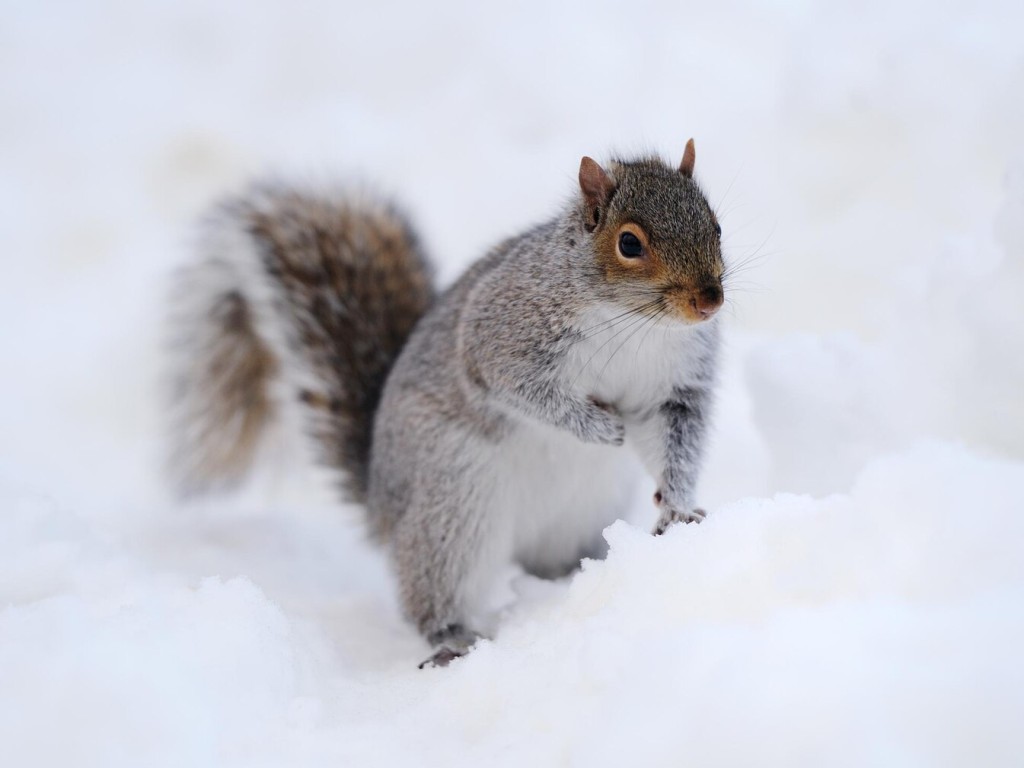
x,y
855,596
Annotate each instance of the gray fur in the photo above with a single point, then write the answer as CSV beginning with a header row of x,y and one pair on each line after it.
x,y
499,430
489,361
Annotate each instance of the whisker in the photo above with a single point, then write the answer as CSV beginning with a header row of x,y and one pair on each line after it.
x,y
625,318
611,357
744,264
632,322
755,257
623,314
728,189
654,321
745,286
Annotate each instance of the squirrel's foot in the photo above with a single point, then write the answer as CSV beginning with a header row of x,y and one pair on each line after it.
x,y
670,515
451,642
442,657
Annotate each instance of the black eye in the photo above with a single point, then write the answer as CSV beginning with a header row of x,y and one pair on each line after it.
x,y
718,229
630,245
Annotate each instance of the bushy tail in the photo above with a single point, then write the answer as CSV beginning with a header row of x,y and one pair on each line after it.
x,y
296,294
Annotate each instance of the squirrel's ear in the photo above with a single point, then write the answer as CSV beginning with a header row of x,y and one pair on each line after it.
x,y
689,157
597,188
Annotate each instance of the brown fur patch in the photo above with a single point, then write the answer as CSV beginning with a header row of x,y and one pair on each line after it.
x,y
351,282
230,373
651,268
597,187
689,160
681,293
356,286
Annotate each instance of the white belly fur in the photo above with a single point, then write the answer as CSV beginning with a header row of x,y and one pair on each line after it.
x,y
553,494
558,494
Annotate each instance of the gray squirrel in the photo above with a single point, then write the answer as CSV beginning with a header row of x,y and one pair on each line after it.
x,y
480,428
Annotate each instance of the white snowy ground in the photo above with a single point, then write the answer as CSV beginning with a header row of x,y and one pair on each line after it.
x,y
857,594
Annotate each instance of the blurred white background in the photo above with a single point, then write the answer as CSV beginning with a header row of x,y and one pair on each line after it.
x,y
865,156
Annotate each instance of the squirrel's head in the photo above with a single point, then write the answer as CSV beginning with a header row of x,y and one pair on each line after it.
x,y
655,238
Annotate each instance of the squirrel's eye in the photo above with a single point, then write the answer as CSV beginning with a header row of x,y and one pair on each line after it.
x,y
718,229
630,245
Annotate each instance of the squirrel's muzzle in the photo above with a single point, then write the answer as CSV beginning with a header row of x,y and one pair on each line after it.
x,y
698,303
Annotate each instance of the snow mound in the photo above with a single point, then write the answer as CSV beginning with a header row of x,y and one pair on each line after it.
x,y
784,630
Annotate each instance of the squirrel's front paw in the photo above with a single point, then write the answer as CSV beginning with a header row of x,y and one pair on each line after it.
x,y
671,515
604,424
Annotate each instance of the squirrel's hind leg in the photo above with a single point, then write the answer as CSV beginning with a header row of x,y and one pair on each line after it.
x,y
449,549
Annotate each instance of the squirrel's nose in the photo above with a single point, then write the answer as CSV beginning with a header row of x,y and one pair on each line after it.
x,y
707,300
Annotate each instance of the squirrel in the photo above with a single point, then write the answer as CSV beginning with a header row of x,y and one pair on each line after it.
x,y
481,427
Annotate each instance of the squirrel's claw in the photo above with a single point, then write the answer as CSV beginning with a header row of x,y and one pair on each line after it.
x,y
450,642
669,516
442,657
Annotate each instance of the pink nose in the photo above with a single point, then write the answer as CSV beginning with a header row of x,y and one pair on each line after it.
x,y
707,300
